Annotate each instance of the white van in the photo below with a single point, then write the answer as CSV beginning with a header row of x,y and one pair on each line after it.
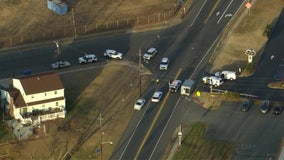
x,y
229,75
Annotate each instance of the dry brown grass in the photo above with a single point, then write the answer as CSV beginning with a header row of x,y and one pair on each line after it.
x,y
27,17
112,92
248,33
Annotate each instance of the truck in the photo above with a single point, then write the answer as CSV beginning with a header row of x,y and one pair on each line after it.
x,y
213,81
187,87
227,75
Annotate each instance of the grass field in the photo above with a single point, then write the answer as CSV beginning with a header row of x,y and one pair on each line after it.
x,y
195,146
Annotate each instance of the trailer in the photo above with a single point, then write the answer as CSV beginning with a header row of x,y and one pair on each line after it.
x,y
187,87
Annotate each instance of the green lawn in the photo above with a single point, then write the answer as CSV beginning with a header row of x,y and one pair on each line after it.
x,y
194,146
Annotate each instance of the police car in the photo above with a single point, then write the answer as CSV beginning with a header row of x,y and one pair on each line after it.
x,y
175,85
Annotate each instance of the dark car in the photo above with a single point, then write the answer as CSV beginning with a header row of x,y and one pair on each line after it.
x,y
264,108
277,109
245,105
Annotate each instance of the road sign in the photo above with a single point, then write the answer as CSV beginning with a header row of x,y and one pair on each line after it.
x,y
248,5
198,93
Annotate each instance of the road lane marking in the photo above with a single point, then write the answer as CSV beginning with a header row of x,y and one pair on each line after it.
x,y
225,11
164,128
148,104
211,12
154,121
198,12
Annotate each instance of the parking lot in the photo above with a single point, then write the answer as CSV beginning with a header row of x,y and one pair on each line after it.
x,y
256,135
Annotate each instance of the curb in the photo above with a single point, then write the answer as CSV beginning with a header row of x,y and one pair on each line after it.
x,y
173,150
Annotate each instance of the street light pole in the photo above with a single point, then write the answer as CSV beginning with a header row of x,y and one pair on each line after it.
x,y
57,46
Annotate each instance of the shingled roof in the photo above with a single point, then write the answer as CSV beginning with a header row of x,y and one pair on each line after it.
x,y
39,83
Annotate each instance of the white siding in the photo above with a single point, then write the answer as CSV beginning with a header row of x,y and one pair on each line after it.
x,y
46,106
44,96
17,84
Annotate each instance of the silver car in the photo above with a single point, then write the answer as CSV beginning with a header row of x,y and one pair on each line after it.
x,y
60,64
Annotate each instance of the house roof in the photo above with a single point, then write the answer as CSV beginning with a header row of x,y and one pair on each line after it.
x,y
17,96
39,83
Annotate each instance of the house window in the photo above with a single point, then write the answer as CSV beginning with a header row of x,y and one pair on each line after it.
x,y
55,92
56,104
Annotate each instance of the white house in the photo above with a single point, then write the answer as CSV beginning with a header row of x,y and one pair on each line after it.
x,y
35,98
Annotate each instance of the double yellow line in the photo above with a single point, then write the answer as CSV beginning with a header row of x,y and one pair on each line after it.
x,y
212,10
155,119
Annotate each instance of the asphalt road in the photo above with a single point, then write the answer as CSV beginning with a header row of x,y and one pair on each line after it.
x,y
189,45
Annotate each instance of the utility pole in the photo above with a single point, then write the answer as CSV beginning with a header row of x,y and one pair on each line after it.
x,y
58,47
74,24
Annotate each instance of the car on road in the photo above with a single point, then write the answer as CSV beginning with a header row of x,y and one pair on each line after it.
x,y
174,86
110,53
164,63
60,64
150,53
139,104
277,110
245,105
88,58
157,96
265,106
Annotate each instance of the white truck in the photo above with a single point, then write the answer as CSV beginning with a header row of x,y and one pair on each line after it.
x,y
213,80
228,75
187,87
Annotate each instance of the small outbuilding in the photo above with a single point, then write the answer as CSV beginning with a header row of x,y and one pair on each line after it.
x,y
57,6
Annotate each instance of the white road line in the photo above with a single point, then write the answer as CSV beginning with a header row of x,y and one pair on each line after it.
x,y
225,11
134,131
198,12
164,129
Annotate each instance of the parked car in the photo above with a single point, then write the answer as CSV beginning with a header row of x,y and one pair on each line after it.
x,y
277,109
88,58
245,105
139,104
265,106
164,63
157,96
113,54
213,80
228,75
150,53
60,64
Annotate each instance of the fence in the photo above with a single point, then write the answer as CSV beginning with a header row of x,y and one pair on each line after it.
x,y
78,30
